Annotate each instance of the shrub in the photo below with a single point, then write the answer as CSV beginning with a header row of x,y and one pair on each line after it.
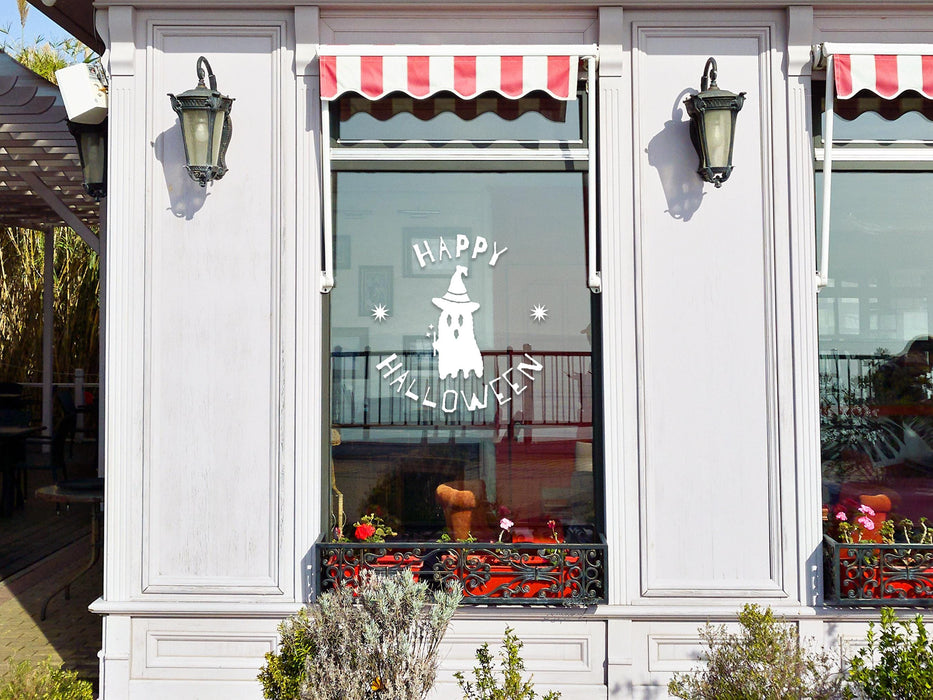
x,y
763,661
896,664
487,685
284,672
43,681
379,640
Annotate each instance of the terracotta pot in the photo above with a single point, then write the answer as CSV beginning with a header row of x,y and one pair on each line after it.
x,y
463,502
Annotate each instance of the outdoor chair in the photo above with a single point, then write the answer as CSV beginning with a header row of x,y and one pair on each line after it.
x,y
52,460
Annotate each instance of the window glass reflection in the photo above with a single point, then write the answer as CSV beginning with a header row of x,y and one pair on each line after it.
x,y
461,360
876,395
491,117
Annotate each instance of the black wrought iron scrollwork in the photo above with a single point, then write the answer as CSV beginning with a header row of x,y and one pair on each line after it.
x,y
875,573
490,574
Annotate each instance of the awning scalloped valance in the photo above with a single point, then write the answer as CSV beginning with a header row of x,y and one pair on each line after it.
x,y
884,75
513,76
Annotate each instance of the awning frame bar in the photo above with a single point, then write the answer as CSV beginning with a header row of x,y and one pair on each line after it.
x,y
327,274
822,276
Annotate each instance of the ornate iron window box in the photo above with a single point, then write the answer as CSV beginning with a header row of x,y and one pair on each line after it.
x,y
522,573
874,573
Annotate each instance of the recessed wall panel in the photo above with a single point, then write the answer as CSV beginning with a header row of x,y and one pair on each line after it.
x,y
213,348
706,328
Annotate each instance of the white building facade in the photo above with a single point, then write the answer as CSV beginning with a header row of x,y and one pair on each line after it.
x,y
674,415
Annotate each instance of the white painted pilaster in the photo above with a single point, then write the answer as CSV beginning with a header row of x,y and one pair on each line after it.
x,y
614,114
803,266
311,369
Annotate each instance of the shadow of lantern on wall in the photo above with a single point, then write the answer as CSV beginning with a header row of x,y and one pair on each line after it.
x,y
712,114
206,127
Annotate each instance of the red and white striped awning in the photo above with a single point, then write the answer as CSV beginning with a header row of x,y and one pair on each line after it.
x,y
884,75
467,76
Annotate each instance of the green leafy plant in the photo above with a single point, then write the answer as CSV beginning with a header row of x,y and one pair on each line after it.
x,y
372,528
375,642
45,680
445,537
284,671
764,660
896,663
512,687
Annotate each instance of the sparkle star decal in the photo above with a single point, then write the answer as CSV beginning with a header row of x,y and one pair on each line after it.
x,y
380,312
539,313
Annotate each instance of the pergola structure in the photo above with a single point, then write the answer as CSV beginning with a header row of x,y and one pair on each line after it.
x,y
41,184
40,173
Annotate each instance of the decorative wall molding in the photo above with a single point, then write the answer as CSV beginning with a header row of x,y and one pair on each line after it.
x,y
214,507
199,650
433,26
753,471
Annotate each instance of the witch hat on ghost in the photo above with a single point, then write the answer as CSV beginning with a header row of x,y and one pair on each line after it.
x,y
456,300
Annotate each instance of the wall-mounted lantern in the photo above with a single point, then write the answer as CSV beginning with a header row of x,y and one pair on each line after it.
x,y
205,126
712,125
92,150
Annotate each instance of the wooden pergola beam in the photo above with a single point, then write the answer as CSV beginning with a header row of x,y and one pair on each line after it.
x,y
59,207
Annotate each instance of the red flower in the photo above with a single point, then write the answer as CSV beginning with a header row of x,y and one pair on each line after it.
x,y
364,532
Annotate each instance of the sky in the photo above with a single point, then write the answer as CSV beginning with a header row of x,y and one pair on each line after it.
x,y
37,24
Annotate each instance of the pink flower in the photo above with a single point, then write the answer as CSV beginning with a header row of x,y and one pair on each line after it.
x,y
866,522
552,524
841,515
867,510
506,524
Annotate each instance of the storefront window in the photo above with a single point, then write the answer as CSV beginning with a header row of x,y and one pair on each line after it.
x,y
462,333
875,320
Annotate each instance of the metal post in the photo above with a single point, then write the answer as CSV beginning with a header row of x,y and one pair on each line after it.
x,y
102,337
48,327
79,404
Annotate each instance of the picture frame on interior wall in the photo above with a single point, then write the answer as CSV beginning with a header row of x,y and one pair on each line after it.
x,y
375,288
431,236
342,253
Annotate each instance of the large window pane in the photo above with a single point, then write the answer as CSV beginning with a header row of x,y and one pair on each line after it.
x,y
461,353
875,322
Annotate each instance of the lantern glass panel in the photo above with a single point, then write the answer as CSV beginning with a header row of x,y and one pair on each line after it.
x,y
718,123
216,137
196,129
94,150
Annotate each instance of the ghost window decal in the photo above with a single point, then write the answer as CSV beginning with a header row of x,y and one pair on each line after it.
x,y
455,344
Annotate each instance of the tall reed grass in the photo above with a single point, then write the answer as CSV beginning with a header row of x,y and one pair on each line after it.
x,y
76,306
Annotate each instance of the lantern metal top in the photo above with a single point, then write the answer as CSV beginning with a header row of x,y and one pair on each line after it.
x,y
711,96
211,100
